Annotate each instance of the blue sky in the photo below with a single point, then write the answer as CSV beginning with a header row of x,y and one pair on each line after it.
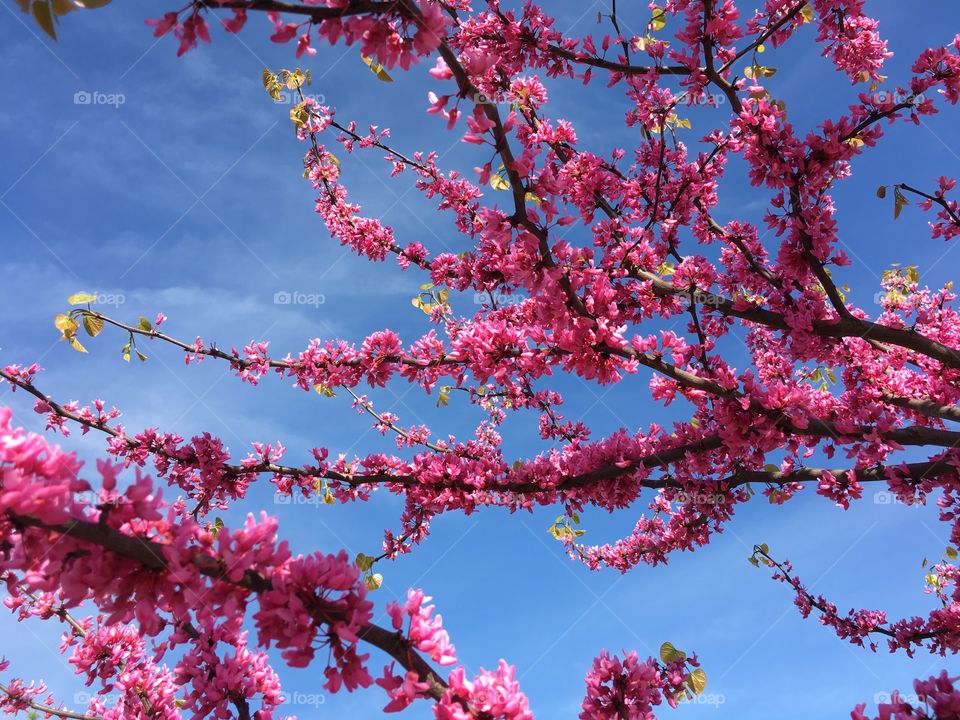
x,y
187,198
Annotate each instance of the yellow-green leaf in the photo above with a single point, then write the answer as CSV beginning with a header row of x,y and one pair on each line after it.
x,y
93,325
668,653
498,182
75,344
952,553
81,298
899,202
144,324
658,21
295,79
299,115
807,13
268,79
65,324
374,581
377,69
697,681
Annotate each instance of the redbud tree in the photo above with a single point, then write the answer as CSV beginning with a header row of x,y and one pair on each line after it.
x,y
580,258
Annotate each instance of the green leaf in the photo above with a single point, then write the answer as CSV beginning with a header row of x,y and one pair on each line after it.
x,y
81,298
364,562
771,468
952,553
753,561
144,324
